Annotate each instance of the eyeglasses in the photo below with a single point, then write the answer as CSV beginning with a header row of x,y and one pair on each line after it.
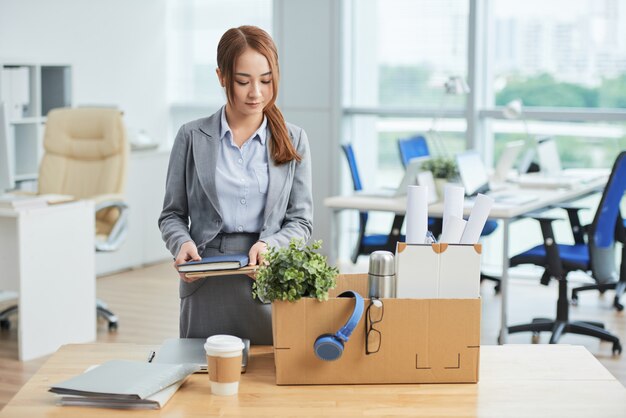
x,y
373,316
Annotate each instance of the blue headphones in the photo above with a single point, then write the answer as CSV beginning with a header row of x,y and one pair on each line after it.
x,y
329,347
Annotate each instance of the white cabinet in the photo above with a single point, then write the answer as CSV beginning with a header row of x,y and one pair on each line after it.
x,y
29,92
145,188
54,277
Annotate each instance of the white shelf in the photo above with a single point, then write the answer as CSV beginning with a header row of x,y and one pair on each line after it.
x,y
26,177
30,91
25,121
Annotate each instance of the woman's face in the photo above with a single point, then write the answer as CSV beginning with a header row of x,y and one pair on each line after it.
x,y
252,88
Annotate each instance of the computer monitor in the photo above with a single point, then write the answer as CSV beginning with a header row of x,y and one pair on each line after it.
x,y
507,160
7,178
548,153
472,172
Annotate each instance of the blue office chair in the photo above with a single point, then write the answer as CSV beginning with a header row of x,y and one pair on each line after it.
x,y
596,256
413,147
416,146
368,243
620,285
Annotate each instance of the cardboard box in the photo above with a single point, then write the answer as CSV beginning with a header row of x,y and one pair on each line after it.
x,y
423,340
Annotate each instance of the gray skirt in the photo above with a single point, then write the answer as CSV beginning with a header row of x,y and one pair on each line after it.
x,y
224,304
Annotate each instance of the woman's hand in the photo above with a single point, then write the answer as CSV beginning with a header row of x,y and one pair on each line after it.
x,y
255,255
188,252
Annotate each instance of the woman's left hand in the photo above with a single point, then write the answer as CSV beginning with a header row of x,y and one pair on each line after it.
x,y
255,255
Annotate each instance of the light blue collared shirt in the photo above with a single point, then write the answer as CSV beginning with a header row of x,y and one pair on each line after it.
x,y
241,179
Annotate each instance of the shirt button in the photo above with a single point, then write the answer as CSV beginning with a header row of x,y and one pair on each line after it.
x,y
240,228
243,201
240,161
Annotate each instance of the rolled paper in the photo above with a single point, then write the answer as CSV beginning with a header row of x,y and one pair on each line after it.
x,y
453,233
454,198
477,219
416,214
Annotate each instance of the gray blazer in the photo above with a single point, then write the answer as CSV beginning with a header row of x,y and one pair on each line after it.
x,y
191,208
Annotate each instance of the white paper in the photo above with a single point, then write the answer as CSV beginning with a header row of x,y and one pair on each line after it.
x,y
454,231
416,214
425,178
454,197
477,219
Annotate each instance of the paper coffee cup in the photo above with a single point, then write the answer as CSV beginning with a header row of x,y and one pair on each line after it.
x,y
224,354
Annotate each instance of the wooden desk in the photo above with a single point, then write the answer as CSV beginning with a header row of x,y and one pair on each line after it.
x,y
515,380
506,213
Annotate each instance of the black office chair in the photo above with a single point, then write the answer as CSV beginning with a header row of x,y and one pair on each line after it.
x,y
597,256
417,146
368,243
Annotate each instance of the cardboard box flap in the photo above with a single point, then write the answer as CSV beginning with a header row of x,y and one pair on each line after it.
x,y
357,282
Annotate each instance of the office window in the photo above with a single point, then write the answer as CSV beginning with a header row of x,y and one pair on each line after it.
x,y
398,55
402,51
195,27
559,55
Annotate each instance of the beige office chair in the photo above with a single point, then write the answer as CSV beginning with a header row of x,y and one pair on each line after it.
x,y
85,156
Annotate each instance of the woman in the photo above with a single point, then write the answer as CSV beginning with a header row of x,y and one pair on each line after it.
x,y
237,182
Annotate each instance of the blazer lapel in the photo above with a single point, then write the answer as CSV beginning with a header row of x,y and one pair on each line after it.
x,y
206,145
277,178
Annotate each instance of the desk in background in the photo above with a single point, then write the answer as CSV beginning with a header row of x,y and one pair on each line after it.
x,y
47,256
505,213
515,380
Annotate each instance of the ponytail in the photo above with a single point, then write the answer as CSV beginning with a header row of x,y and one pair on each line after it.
x,y
282,148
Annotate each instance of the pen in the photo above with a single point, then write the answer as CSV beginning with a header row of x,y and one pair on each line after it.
x,y
151,355
430,238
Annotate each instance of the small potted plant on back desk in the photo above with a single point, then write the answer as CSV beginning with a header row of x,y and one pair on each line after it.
x,y
444,170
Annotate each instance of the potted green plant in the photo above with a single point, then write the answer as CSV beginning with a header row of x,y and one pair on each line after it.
x,y
444,170
441,167
292,272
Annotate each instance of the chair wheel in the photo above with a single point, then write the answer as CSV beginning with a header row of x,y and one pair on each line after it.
x,y
617,348
5,324
535,338
573,301
496,289
112,326
602,291
618,306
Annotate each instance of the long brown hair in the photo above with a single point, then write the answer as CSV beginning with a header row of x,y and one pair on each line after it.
x,y
233,43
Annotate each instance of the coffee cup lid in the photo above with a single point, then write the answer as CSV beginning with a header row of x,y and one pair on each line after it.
x,y
223,343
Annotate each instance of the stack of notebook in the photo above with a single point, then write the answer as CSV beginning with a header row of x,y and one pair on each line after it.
x,y
217,266
124,384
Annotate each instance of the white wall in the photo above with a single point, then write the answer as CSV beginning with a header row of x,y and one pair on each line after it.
x,y
307,36
116,49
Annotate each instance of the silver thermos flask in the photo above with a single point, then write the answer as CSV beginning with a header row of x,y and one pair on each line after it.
x,y
382,275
